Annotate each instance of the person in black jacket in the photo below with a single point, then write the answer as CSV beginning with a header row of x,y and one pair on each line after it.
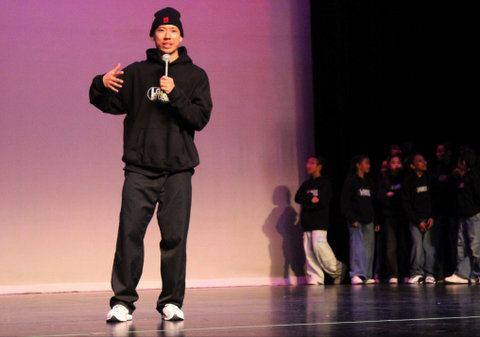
x,y
357,206
162,114
416,199
395,225
443,205
468,199
314,196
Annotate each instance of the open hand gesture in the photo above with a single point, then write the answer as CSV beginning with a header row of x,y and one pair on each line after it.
x,y
111,79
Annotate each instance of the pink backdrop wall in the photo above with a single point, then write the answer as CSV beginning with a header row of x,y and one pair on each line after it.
x,y
61,170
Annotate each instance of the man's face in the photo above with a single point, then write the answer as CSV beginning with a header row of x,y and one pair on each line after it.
x,y
419,163
167,38
364,165
442,153
395,165
312,166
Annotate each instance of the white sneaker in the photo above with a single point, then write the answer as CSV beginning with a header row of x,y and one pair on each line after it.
x,y
415,279
313,282
456,279
119,313
393,280
370,281
171,312
430,280
357,280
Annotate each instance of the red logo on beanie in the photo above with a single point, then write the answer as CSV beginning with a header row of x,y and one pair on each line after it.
x,y
165,19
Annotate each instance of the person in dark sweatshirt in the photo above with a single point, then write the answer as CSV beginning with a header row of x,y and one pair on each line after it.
x,y
416,199
357,207
468,199
314,196
443,206
162,114
395,225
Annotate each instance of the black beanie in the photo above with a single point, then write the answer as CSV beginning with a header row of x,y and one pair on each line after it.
x,y
167,16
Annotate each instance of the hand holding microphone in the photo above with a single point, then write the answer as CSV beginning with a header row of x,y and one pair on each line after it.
x,y
166,83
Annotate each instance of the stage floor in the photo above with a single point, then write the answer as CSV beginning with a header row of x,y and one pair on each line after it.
x,y
345,310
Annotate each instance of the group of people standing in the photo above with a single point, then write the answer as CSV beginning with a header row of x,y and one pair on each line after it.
x,y
412,225
163,111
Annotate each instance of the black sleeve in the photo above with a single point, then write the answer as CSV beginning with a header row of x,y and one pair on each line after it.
x,y
381,193
195,112
302,197
105,99
407,201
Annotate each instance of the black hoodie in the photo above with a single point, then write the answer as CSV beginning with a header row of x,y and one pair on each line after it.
x,y
314,216
416,197
357,199
468,194
390,206
158,137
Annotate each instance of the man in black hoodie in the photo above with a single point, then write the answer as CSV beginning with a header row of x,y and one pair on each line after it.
x,y
314,196
357,206
468,199
416,200
162,114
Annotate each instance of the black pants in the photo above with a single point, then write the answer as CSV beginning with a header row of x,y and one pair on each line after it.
x,y
140,195
397,250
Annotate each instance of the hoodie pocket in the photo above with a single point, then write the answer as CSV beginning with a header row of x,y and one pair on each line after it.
x,y
148,146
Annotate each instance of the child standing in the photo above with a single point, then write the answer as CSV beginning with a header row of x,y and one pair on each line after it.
x,y
468,198
314,195
357,206
443,205
395,225
417,204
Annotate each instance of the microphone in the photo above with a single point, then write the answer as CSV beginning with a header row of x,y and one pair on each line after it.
x,y
163,95
166,59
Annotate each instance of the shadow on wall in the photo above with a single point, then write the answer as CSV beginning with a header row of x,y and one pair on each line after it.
x,y
285,239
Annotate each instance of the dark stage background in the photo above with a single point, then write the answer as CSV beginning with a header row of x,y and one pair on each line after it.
x,y
389,73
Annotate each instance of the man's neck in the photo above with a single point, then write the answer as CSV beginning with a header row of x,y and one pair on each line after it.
x,y
173,56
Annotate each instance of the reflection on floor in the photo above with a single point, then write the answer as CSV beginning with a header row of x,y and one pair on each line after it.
x,y
345,310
